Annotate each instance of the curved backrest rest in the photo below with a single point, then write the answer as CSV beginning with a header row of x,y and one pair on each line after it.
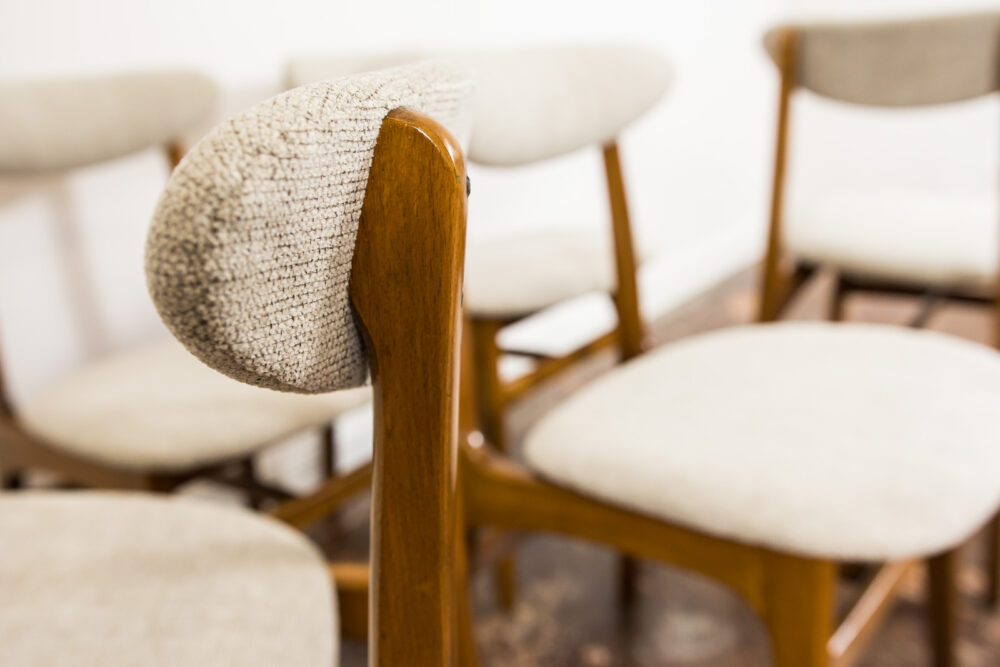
x,y
64,123
897,63
250,251
534,104
315,237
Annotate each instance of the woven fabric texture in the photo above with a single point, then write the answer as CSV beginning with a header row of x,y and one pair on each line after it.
x,y
249,254
64,123
898,63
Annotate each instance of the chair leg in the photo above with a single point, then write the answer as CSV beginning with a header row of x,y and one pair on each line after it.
x,y
837,299
942,570
628,576
489,392
993,562
798,609
328,451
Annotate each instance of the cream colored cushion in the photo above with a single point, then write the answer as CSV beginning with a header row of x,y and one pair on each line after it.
x,y
843,441
535,103
156,407
100,578
249,255
908,62
905,236
523,274
64,123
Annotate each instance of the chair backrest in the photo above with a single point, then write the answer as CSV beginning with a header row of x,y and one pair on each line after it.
x,y
58,124
319,236
537,103
896,63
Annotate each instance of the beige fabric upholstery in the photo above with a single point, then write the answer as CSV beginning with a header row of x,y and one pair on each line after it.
x,y
155,407
100,578
898,63
845,441
533,104
64,123
249,255
913,237
523,274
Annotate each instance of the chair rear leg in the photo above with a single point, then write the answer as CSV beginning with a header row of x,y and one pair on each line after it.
x,y
12,480
798,609
489,393
943,602
993,562
837,298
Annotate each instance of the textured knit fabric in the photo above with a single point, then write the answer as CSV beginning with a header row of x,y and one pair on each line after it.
x,y
65,123
830,440
909,236
100,578
155,407
533,104
249,255
899,63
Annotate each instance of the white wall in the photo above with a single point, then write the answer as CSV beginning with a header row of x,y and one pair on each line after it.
x,y
70,248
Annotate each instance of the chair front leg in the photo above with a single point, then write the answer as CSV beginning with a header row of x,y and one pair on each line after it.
x,y
943,600
797,600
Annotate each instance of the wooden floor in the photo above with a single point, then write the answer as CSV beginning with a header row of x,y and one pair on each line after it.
x,y
566,613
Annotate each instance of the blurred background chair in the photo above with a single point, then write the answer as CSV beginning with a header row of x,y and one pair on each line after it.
x,y
933,246
102,577
917,243
150,417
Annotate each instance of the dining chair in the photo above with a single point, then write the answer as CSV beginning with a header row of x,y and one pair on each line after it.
x,y
936,246
305,245
149,416
532,105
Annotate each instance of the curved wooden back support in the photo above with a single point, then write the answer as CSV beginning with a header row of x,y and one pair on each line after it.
x,y
406,287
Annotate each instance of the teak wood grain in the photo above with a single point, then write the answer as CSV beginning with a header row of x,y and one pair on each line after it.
x,y
406,286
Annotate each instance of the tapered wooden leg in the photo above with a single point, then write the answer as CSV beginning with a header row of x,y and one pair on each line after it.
x,y
628,576
993,562
942,570
328,451
489,394
837,299
798,609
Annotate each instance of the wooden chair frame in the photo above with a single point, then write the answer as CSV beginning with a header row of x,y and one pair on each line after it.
x,y
495,395
21,451
782,277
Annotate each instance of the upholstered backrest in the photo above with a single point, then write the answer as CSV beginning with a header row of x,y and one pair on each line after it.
x,y
250,251
534,104
898,63
60,124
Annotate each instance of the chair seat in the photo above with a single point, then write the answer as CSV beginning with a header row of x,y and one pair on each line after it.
x,y
913,237
845,441
522,274
104,578
156,407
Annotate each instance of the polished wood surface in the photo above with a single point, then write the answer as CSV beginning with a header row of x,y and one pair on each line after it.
x,y
773,288
406,287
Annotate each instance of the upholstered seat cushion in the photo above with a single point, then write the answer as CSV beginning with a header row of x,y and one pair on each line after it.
x,y
906,236
157,407
522,274
65,123
838,441
101,578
